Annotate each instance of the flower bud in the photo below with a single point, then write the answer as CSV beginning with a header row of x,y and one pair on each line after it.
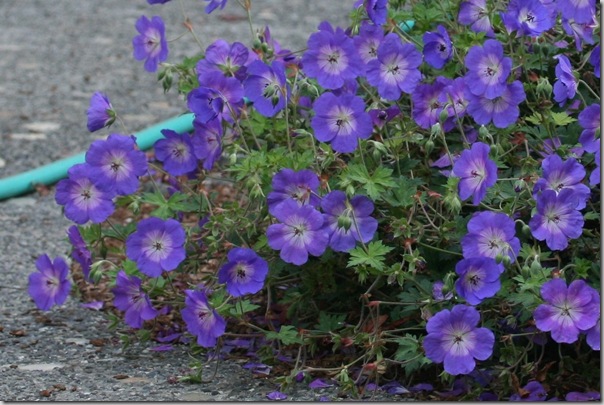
x,y
344,221
429,146
544,88
435,130
444,115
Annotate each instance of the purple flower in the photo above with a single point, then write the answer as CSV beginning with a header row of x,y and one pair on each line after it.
x,y
244,273
557,219
341,121
116,163
214,4
100,113
454,339
157,1
527,17
478,278
575,396
129,297
347,221
217,98
176,152
488,69
50,284
276,396
589,120
531,392
151,45
299,234
380,116
368,41
580,31
592,337
289,185
594,177
438,49
80,252
475,14
437,292
202,320
266,87
84,200
567,310
318,383
427,106
156,245
594,59
396,68
207,142
377,10
490,234
559,175
454,97
331,57
230,60
502,110
582,11
565,86
477,172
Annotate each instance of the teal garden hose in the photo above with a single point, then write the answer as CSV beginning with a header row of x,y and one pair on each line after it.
x,y
53,172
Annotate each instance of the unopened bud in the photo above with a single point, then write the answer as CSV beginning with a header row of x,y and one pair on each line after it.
x,y
435,130
429,146
444,115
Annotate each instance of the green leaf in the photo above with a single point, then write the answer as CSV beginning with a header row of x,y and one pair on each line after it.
x,y
374,257
561,119
375,185
330,323
243,307
287,335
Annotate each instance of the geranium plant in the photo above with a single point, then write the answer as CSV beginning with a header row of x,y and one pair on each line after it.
x,y
413,198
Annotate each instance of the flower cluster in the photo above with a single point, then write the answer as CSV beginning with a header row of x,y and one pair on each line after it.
x,y
419,187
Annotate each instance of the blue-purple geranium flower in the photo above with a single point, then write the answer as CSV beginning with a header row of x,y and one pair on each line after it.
x,y
157,245
299,233
331,57
476,171
150,45
202,320
50,285
244,272
341,121
217,98
454,339
593,336
80,252
488,69
594,59
116,163
396,68
589,120
368,41
377,10
438,49
582,11
348,222
527,17
130,298
225,58
82,197
565,87
298,186
503,110
214,4
558,175
478,278
475,14
567,310
557,219
490,234
100,113
427,107
176,152
207,142
266,87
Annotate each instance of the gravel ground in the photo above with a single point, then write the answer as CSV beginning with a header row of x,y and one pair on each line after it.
x,y
54,56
